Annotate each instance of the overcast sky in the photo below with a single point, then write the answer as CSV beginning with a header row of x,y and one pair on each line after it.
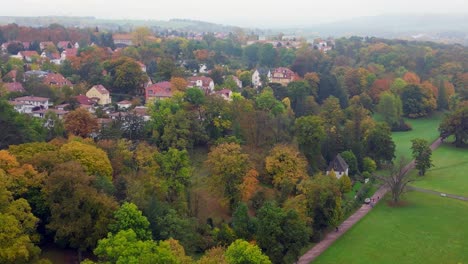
x,y
237,12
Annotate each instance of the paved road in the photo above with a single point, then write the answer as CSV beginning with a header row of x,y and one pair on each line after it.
x,y
319,248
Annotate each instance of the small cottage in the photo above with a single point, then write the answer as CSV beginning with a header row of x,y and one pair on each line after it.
x,y
339,166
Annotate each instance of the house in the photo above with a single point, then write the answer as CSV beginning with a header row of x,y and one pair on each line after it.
x,y
56,80
11,75
339,166
67,53
143,112
226,94
122,40
27,104
322,45
256,80
28,55
64,45
204,83
125,104
14,87
202,68
238,82
37,74
158,91
283,76
100,93
84,100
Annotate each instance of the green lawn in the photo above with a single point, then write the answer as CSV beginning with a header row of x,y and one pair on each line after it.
x,y
450,171
429,229
426,128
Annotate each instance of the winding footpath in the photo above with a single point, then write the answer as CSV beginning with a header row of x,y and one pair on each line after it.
x,y
331,237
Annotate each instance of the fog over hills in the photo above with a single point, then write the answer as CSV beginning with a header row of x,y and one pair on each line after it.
x,y
447,28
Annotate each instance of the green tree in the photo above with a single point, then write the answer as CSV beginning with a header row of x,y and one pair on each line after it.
x,y
323,196
422,154
369,165
333,118
126,73
267,55
442,100
79,213
18,128
124,247
129,217
266,101
379,144
345,184
456,124
241,222
297,93
242,252
280,234
175,172
310,132
416,101
390,107
351,159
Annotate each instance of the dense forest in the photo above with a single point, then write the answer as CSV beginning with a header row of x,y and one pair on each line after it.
x,y
205,175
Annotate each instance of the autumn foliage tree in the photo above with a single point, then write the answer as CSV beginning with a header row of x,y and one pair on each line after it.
x,y
80,123
227,165
287,167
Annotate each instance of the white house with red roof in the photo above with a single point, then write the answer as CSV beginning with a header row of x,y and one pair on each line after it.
x,y
26,104
204,83
158,91
100,94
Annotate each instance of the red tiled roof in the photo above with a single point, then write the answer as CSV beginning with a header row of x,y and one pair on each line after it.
x,y
12,74
56,79
28,53
285,72
14,87
83,100
101,89
160,89
31,98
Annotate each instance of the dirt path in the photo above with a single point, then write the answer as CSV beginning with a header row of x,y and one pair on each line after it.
x,y
453,196
318,249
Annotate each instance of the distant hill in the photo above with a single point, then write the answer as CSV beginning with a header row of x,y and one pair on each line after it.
x,y
117,25
434,27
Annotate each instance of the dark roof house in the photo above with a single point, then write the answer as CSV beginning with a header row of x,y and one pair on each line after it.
x,y
339,166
